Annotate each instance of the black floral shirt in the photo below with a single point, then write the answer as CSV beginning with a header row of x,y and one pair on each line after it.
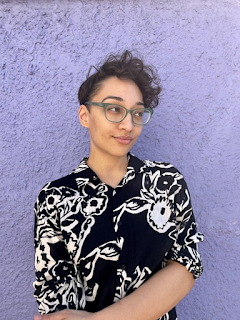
x,y
95,244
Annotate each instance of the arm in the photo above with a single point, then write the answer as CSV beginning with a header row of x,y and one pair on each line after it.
x,y
149,302
57,280
154,298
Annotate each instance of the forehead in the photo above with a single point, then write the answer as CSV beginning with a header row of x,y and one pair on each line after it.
x,y
127,90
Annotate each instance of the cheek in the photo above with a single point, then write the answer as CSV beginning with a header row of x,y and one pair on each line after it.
x,y
99,130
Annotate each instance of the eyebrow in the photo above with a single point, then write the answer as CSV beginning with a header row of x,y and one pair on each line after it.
x,y
113,97
121,99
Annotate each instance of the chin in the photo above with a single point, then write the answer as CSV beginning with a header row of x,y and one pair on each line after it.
x,y
121,153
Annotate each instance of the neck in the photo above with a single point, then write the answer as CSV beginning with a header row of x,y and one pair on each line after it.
x,y
109,169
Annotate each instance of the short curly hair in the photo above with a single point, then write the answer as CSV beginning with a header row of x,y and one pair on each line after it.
x,y
126,67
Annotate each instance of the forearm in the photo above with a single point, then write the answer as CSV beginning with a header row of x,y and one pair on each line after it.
x,y
154,298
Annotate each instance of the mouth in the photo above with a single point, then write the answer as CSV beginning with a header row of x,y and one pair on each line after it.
x,y
124,139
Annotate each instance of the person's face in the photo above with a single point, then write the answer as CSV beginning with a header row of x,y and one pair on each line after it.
x,y
107,137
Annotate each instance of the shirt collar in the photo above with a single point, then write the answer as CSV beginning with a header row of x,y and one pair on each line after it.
x,y
84,174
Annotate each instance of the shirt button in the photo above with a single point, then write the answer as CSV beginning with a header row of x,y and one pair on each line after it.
x,y
94,178
119,223
122,267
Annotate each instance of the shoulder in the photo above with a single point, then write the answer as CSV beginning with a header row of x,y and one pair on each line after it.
x,y
164,168
163,175
67,181
55,197
58,189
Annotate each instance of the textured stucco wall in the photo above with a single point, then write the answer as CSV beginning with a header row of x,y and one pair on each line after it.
x,y
45,50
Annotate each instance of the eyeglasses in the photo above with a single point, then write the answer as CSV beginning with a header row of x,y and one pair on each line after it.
x,y
116,113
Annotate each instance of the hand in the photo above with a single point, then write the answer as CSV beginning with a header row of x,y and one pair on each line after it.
x,y
65,315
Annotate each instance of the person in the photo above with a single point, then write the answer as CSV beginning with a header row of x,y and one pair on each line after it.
x,y
116,238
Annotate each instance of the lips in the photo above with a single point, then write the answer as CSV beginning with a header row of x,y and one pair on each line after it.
x,y
124,139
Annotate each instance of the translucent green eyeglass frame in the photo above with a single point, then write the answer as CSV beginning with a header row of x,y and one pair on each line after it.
x,y
105,105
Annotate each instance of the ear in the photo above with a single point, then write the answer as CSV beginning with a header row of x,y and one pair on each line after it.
x,y
83,114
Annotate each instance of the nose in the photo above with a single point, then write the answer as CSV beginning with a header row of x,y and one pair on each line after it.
x,y
127,123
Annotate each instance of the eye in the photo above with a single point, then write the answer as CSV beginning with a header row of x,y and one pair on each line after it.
x,y
139,113
114,109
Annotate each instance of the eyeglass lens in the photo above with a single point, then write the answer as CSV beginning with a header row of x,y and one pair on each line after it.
x,y
117,113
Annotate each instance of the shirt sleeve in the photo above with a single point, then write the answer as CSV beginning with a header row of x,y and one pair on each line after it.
x,y
185,246
57,285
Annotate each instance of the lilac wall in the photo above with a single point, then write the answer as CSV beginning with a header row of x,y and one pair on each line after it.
x,y
45,51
